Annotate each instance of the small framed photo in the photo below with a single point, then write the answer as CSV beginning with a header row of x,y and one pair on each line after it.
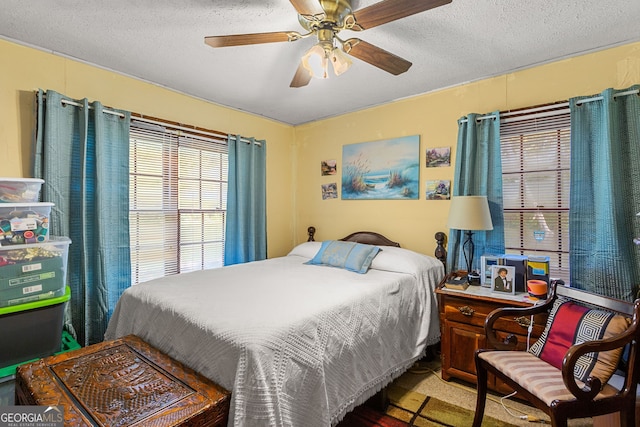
x,y
438,190
328,167
502,279
438,157
329,191
486,261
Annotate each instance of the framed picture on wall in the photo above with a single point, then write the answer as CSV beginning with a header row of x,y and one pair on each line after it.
x,y
438,190
330,191
438,157
383,170
328,167
502,279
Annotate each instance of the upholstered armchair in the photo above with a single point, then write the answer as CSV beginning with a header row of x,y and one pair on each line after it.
x,y
587,339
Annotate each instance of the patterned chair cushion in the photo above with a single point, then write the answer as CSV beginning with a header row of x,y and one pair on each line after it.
x,y
570,323
535,375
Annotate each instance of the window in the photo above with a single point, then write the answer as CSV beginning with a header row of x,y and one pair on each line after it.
x,y
178,192
535,149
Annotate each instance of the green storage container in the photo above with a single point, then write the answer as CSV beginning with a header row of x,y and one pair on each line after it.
x,y
33,272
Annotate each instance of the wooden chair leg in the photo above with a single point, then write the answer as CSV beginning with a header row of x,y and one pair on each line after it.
x,y
628,417
481,397
558,420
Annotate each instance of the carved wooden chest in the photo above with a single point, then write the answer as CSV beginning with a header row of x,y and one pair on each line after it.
x,y
124,382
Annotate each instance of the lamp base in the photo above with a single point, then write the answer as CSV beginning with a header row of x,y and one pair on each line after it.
x,y
473,278
468,248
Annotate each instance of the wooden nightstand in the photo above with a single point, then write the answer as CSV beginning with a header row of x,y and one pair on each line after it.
x,y
462,316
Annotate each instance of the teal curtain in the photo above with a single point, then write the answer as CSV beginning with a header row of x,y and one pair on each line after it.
x,y
605,192
246,222
82,153
478,172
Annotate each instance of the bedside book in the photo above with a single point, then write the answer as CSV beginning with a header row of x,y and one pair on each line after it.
x,y
457,282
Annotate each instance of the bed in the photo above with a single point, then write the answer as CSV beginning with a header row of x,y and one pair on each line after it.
x,y
298,345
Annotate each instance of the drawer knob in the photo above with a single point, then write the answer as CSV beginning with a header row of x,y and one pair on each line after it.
x,y
523,321
466,310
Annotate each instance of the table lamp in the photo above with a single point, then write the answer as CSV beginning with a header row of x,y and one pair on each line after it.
x,y
470,213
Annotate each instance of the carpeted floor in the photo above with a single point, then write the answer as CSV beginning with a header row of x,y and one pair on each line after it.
x,y
420,411
412,409
421,398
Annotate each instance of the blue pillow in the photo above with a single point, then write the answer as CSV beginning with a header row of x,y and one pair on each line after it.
x,y
351,256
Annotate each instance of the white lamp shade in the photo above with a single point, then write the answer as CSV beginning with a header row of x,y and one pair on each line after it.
x,y
470,213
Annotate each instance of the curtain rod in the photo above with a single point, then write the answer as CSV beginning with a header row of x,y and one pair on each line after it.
x,y
76,104
558,105
142,119
488,116
139,117
615,95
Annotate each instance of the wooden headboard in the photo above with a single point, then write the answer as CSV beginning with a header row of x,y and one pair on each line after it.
x,y
372,238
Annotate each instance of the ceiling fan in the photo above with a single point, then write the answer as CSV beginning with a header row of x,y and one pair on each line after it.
x,y
325,19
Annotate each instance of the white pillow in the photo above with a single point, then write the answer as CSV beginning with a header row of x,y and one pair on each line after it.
x,y
401,260
306,249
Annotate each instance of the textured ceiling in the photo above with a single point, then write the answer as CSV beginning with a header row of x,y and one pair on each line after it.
x,y
162,41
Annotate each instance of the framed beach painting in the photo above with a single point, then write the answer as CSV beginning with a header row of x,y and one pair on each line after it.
x,y
384,170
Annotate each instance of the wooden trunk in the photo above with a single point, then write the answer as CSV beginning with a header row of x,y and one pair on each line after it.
x,y
124,382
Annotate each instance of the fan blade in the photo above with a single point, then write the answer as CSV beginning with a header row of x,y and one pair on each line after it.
x,y
245,39
307,7
390,10
301,78
376,56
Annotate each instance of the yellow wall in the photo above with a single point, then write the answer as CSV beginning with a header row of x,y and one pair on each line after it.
x,y
294,195
25,70
433,117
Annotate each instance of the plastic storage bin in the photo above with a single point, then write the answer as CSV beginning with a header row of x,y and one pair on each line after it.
x,y
24,222
32,330
20,190
67,343
33,272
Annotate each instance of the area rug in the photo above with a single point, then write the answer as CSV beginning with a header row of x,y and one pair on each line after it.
x,y
411,409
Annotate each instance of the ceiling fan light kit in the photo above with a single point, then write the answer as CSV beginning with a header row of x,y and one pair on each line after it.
x,y
316,61
325,19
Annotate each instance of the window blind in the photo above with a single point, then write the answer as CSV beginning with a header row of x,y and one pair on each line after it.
x,y
178,190
535,150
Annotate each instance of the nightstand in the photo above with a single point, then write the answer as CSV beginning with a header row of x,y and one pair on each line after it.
x,y
462,316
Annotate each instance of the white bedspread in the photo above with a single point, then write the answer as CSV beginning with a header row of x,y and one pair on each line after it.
x,y
298,345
